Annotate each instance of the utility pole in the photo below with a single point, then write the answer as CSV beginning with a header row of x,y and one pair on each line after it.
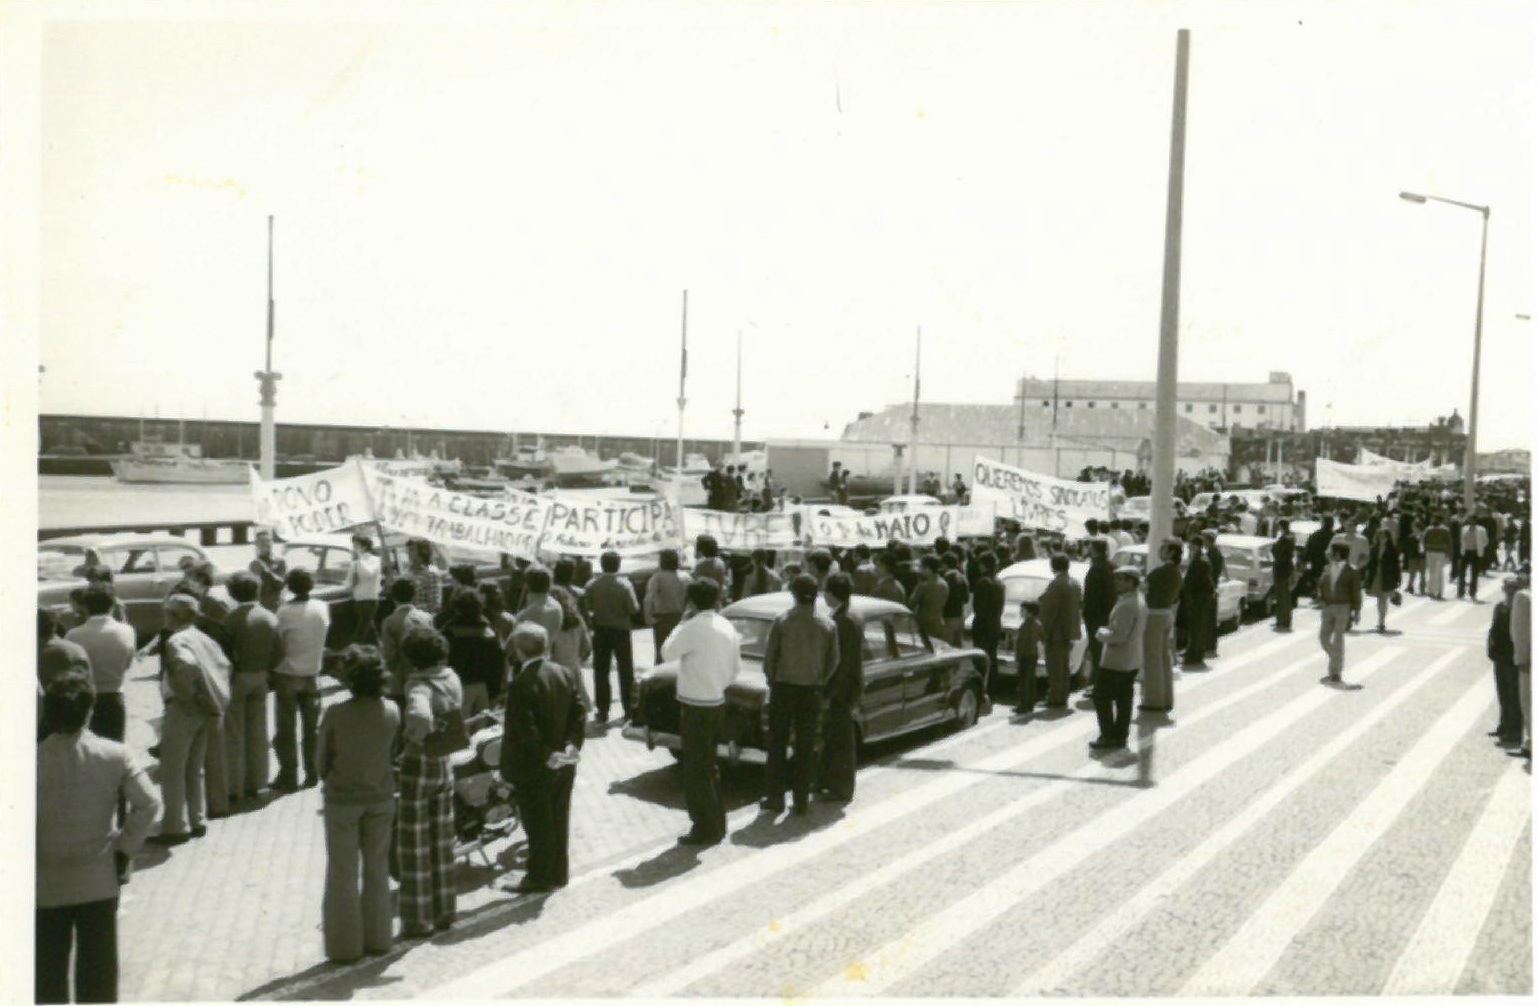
x,y
268,380
737,412
1161,517
913,428
683,373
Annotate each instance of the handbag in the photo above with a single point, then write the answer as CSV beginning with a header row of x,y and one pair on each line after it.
x,y
1396,598
448,733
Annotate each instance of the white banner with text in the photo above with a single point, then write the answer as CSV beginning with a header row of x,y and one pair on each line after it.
x,y
416,507
322,503
1039,501
1353,482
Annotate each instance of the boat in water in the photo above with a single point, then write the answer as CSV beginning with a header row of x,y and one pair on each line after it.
x,y
179,463
572,462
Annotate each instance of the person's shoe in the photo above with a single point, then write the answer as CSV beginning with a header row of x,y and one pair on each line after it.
x,y
154,750
1521,753
414,933
1495,733
601,718
1103,744
527,886
286,786
310,782
773,806
829,796
698,839
1197,666
198,830
801,809
181,838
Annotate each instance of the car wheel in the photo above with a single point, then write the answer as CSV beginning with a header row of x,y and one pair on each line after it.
x,y
966,709
1231,625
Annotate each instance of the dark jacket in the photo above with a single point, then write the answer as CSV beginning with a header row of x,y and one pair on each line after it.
x,y
1062,610
1164,586
1498,645
544,715
957,594
1099,595
1198,586
1347,589
1281,557
848,681
1317,548
475,654
987,609
1389,560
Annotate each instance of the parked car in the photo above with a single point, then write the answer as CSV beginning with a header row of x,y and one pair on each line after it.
x,y
1025,581
1248,558
1231,592
910,682
328,557
144,569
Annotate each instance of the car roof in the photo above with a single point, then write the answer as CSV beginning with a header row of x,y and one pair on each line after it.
x,y
923,499
128,539
1244,540
1038,568
769,605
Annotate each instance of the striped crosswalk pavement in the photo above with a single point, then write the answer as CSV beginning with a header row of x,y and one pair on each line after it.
x,y
951,871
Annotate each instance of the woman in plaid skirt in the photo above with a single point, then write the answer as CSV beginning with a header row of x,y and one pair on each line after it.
x,y
434,728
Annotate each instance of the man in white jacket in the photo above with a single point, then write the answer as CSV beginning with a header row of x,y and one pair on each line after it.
x,y
706,648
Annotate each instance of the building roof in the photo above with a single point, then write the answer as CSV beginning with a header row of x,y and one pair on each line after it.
x,y
941,423
1278,392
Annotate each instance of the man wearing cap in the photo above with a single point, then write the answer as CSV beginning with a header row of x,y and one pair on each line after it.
x,y
1522,654
1121,657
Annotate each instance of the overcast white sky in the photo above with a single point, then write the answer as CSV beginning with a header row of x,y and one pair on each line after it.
x,y
486,216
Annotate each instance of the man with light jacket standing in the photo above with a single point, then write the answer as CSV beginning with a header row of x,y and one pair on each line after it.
x,y
1121,657
706,648
800,656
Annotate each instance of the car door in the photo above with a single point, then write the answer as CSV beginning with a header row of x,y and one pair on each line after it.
x,y
926,675
881,702
141,583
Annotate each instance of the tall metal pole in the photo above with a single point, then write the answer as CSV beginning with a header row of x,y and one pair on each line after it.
x,y
913,423
268,381
737,412
683,373
1161,519
1470,451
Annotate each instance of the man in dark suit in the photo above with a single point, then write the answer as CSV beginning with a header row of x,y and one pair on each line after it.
x,y
836,775
543,734
988,614
1099,597
1062,607
1316,550
1197,599
1281,575
1340,598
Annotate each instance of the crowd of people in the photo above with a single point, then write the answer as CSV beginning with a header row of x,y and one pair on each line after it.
x,y
433,651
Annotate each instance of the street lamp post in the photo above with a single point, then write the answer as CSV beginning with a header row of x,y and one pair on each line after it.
x,y
1470,447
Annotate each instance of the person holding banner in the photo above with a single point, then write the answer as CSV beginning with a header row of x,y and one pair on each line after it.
x,y
1062,621
269,570
363,579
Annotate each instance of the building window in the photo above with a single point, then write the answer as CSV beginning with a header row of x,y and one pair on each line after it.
x,y
1211,409
1092,405
1142,405
1068,405
1115,405
1189,406
1045,404
1238,409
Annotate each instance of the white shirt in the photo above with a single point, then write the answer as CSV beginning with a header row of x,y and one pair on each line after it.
x,y
364,577
111,646
709,656
302,626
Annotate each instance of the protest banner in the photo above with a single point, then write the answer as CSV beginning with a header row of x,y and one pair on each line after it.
x,y
919,526
320,503
1414,471
1039,501
418,508
579,525
1353,482
741,531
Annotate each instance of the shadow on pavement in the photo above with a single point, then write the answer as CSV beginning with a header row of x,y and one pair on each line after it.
x,y
770,829
663,787
666,865
331,981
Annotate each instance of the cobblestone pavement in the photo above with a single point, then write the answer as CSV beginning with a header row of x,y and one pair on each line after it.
x,y
1275,835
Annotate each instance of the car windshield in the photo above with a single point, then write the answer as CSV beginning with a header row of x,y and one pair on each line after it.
x,y
1246,558
326,564
754,633
59,562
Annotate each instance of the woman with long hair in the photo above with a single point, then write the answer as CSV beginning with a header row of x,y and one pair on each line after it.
x,y
573,645
355,755
1381,574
